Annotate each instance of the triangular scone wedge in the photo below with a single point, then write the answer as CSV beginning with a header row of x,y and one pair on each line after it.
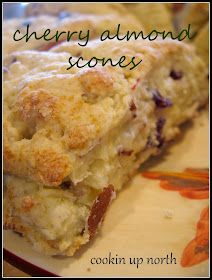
x,y
74,137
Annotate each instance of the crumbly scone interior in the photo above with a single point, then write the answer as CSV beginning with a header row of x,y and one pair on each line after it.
x,y
113,118
126,142
53,220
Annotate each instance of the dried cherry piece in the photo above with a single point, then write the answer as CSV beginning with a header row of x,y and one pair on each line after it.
x,y
176,75
160,101
159,128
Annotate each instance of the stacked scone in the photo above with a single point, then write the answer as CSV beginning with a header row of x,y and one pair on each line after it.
x,y
73,138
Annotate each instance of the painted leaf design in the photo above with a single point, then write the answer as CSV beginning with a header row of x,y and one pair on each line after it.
x,y
197,249
194,184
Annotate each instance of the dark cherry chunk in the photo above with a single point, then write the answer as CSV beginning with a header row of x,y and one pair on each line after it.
x,y
99,208
66,185
160,101
122,152
176,75
133,108
159,128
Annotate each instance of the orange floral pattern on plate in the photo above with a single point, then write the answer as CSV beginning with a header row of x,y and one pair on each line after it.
x,y
194,184
197,249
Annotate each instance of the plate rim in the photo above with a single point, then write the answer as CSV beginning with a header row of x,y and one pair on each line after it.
x,y
25,265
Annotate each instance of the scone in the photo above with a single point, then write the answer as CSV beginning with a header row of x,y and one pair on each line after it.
x,y
34,9
153,16
73,138
196,14
96,24
201,42
174,8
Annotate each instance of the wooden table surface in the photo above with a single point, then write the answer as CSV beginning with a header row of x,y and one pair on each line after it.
x,y
11,271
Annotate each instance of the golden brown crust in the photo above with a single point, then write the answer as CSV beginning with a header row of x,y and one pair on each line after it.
x,y
35,105
39,141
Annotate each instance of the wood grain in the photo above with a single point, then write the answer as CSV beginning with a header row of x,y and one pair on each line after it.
x,y
11,271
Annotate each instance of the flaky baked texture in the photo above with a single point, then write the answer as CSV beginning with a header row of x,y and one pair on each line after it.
x,y
95,101
72,138
54,221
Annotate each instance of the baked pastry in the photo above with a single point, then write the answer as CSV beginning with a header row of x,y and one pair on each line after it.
x,y
72,138
152,16
174,7
196,14
34,9
96,24
201,42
